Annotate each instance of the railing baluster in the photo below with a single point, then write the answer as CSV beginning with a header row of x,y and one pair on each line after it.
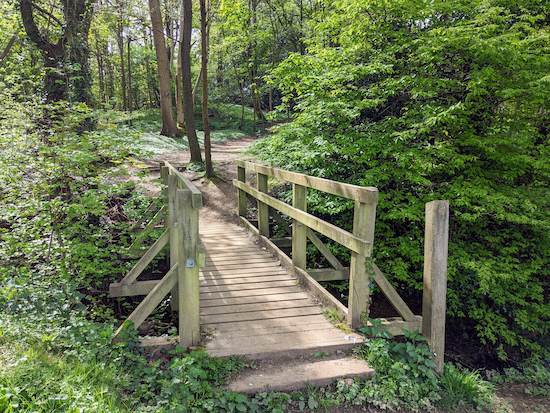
x,y
363,227
263,209
299,231
241,176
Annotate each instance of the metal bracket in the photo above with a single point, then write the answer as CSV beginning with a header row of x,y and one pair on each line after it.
x,y
190,264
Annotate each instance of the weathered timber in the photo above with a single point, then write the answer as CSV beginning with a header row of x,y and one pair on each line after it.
x,y
341,236
146,259
363,194
435,278
278,218
188,272
392,295
263,209
132,290
329,274
187,184
396,325
324,250
153,299
171,184
317,289
282,242
241,176
299,230
363,227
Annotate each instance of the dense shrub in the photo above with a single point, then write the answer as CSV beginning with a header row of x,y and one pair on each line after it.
x,y
447,101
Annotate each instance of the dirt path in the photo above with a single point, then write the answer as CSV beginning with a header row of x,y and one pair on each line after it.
x,y
219,194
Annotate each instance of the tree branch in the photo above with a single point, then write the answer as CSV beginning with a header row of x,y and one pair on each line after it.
x,y
8,47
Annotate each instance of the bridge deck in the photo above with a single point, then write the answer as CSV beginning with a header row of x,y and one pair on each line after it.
x,y
252,306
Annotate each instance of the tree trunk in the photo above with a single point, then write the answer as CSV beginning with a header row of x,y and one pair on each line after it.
x,y
129,82
204,71
120,43
188,110
169,127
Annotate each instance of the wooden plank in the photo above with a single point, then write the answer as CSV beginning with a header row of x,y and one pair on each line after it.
x,y
220,302
392,295
333,232
255,330
146,259
245,308
172,187
230,255
396,325
260,315
264,258
324,250
363,194
291,322
435,278
241,176
299,230
246,287
196,194
204,282
188,273
364,217
262,291
263,209
329,274
258,264
318,290
131,290
211,272
282,242
153,299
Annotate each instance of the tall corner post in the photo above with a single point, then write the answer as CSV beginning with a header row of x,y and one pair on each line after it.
x,y
364,218
241,176
263,209
299,230
435,278
188,269
172,185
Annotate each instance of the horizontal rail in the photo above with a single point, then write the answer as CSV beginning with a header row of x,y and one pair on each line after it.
x,y
366,195
196,195
341,236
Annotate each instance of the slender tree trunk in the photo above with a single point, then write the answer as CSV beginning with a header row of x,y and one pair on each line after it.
x,y
120,43
204,71
188,107
169,127
129,82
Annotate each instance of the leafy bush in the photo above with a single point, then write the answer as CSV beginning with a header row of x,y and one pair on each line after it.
x,y
433,101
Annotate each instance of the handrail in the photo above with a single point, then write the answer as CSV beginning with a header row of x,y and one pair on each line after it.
x,y
196,195
331,231
364,194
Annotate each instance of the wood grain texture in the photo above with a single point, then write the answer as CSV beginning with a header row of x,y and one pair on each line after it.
x,y
250,305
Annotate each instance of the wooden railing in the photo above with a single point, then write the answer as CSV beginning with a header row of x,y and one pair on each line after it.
x,y
181,223
359,241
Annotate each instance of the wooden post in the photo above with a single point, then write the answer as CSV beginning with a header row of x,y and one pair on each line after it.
x,y
172,182
364,217
241,176
188,269
299,230
435,278
263,209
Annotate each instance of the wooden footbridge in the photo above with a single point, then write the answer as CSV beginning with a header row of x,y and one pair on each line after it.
x,y
249,298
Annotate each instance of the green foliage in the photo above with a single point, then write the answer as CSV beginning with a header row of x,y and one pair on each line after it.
x,y
463,387
426,101
537,379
